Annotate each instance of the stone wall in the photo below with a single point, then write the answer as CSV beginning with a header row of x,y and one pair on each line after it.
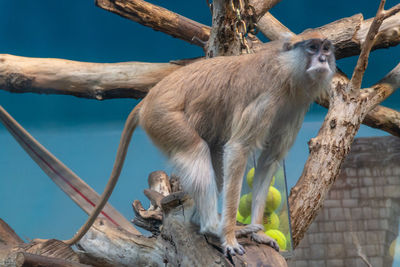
x,y
360,217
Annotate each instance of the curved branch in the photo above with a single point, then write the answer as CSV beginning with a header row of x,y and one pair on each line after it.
x,y
262,6
159,19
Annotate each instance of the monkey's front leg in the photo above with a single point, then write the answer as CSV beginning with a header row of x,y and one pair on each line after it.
x,y
261,183
235,159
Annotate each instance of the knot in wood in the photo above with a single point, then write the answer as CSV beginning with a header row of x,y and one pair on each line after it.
x,y
332,123
314,144
16,81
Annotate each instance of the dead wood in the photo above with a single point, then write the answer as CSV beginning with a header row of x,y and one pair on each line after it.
x,y
348,108
46,253
159,19
178,243
7,235
90,80
24,259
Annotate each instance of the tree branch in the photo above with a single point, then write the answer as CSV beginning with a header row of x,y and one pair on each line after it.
x,y
384,88
329,149
272,28
359,70
159,19
91,80
262,6
347,34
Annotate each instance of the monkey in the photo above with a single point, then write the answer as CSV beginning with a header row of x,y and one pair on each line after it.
x,y
209,116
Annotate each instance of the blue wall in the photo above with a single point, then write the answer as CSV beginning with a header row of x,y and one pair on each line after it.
x,y
84,133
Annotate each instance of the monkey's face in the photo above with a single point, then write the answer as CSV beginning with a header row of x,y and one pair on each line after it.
x,y
320,59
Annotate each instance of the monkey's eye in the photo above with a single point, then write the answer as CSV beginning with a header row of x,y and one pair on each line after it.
x,y
326,49
312,48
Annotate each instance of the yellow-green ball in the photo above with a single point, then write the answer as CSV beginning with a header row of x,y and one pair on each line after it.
x,y
274,199
271,221
278,236
244,206
250,177
239,217
247,220
249,198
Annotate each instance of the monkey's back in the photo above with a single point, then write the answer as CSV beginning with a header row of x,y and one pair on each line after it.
x,y
211,93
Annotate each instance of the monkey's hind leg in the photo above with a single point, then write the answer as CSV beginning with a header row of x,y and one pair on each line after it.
x,y
191,157
198,179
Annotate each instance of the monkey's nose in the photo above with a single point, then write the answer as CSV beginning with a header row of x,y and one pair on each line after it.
x,y
322,58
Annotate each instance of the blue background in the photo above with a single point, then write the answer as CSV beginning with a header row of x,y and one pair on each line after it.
x,y
84,133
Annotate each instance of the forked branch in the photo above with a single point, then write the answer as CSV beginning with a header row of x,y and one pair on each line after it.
x,y
359,70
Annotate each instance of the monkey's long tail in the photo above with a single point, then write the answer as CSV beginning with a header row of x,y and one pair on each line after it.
x,y
130,125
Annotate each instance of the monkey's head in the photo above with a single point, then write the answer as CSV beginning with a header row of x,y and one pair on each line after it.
x,y
312,57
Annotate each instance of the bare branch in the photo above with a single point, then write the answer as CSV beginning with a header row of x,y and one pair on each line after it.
x,y
272,28
383,89
262,6
384,119
91,80
359,70
7,235
28,259
347,34
159,19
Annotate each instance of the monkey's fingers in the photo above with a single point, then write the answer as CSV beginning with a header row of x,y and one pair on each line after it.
x,y
233,249
248,229
262,238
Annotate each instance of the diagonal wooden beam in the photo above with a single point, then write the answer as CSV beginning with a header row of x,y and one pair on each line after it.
x,y
80,192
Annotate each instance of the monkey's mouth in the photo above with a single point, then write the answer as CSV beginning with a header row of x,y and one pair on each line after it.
x,y
319,68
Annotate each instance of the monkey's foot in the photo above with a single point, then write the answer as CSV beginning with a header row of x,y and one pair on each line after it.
x,y
262,238
233,249
248,229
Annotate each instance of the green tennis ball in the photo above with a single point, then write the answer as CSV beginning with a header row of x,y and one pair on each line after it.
x,y
250,177
271,221
244,206
239,217
278,236
247,220
274,199
249,198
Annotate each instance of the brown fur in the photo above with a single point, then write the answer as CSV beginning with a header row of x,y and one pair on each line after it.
x,y
209,116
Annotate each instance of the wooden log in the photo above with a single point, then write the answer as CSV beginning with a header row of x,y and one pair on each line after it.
x,y
91,80
80,192
178,243
159,19
7,235
24,259
158,182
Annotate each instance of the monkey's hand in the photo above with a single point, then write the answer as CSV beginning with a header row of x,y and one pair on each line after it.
x,y
262,238
248,229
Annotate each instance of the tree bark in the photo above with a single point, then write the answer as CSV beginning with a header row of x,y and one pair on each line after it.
x,y
178,244
91,80
159,19
347,34
328,150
